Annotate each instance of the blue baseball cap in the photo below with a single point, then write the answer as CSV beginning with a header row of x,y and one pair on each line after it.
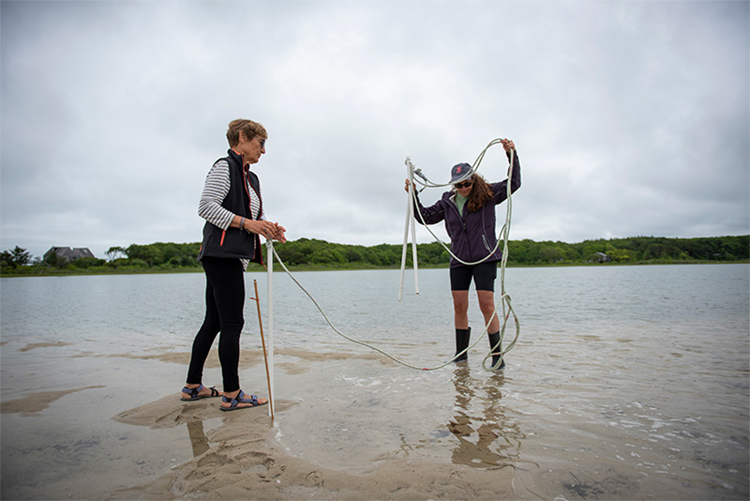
x,y
459,172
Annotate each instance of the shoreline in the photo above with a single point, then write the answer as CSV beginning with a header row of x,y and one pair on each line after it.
x,y
297,269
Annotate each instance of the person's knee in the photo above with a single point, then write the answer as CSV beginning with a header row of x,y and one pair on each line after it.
x,y
232,329
460,305
486,303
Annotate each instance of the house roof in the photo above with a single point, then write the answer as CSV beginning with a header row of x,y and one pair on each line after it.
x,y
71,254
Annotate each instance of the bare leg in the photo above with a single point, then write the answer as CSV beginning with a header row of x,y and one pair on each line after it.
x,y
487,305
461,309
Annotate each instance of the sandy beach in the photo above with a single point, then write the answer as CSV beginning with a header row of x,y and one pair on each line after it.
x,y
241,458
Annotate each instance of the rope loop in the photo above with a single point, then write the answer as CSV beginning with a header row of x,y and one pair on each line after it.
x,y
503,236
504,300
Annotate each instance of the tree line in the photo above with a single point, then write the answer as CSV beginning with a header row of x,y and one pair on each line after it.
x,y
307,253
631,250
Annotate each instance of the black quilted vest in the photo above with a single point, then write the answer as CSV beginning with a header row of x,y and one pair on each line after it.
x,y
233,242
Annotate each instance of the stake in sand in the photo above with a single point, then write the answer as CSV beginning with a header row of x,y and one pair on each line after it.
x,y
265,354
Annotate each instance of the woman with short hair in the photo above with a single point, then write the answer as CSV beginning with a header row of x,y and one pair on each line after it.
x,y
232,206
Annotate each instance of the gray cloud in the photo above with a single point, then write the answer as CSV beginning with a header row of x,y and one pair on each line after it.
x,y
631,118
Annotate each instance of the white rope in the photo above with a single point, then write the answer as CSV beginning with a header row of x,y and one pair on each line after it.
x,y
505,230
410,212
395,359
504,297
353,340
502,237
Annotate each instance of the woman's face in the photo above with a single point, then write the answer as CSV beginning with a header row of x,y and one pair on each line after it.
x,y
464,188
252,149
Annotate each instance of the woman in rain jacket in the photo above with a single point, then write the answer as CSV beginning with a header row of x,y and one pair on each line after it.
x,y
469,214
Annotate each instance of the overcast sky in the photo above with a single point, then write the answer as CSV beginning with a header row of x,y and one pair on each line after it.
x,y
630,118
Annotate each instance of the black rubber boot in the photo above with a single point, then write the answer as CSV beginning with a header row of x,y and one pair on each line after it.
x,y
494,340
462,342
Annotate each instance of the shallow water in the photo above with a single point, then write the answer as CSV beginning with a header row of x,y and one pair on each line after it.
x,y
626,382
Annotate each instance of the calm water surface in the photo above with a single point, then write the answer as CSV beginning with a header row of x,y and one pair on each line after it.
x,y
626,382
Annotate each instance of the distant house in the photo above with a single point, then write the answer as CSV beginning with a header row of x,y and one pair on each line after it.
x,y
600,257
68,254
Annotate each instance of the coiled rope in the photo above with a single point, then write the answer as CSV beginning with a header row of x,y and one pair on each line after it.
x,y
504,298
503,236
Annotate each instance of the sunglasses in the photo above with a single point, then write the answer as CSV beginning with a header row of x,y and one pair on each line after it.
x,y
465,184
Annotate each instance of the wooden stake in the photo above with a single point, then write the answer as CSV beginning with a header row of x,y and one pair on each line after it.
x,y
265,355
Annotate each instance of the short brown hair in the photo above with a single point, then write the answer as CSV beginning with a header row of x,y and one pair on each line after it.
x,y
249,128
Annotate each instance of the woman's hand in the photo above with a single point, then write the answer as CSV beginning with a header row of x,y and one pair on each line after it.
x,y
268,229
508,145
406,186
279,236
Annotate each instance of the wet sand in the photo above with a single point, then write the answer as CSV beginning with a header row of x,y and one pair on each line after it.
x,y
348,425
240,457
35,403
241,460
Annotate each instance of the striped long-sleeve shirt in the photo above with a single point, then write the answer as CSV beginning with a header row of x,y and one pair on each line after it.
x,y
215,191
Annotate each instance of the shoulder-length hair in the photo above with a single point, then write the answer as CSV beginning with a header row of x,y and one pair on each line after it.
x,y
480,193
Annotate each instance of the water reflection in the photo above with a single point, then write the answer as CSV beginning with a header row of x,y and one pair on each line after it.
x,y
489,439
198,438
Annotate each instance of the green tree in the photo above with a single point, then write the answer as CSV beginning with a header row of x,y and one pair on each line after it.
x,y
550,254
15,257
88,262
150,254
661,251
115,252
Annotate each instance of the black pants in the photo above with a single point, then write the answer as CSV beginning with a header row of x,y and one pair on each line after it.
x,y
225,302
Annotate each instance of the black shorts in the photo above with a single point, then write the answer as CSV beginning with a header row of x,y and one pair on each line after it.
x,y
484,276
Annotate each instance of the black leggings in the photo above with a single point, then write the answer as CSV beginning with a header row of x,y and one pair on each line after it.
x,y
225,302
